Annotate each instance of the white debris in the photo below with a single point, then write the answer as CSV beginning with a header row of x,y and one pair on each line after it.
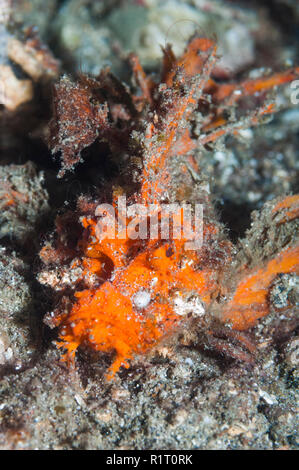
x,y
269,399
79,400
189,361
141,299
6,352
246,133
188,304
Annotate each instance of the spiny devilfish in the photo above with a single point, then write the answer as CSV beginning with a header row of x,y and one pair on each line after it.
x,y
127,293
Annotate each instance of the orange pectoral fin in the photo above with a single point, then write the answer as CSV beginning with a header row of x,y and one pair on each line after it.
x,y
250,301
